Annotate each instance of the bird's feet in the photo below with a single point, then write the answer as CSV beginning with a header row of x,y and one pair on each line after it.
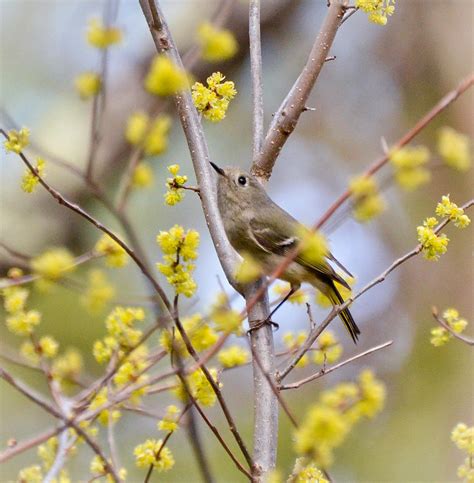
x,y
258,324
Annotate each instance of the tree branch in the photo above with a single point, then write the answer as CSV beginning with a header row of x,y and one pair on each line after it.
x,y
287,116
442,322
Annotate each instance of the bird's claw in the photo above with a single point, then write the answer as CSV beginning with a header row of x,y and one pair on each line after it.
x,y
258,324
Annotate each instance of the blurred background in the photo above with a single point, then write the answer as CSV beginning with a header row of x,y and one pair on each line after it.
x,y
383,80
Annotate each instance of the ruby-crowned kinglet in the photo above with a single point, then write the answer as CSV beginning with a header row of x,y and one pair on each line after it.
x,y
256,226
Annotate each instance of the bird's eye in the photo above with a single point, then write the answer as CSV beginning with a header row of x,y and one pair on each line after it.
x,y
242,180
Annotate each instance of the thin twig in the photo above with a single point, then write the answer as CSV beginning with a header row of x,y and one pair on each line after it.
x,y
440,106
324,371
443,323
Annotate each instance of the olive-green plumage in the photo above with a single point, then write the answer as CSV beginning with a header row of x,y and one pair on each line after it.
x,y
256,225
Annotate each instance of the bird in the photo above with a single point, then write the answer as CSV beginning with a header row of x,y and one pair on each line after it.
x,y
255,225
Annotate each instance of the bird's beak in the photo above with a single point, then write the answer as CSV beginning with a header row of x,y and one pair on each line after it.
x,y
219,170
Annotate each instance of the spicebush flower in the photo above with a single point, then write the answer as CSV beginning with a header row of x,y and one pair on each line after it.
x,y
30,180
88,84
17,140
367,202
454,148
217,44
164,78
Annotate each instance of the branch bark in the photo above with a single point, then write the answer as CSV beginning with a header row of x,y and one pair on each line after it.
x,y
288,114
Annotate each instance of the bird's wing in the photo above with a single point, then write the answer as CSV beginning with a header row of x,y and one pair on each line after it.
x,y
275,232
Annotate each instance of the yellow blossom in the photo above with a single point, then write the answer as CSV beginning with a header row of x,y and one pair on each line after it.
x,y
439,336
433,245
169,422
248,270
213,101
217,44
295,341
367,202
329,349
377,10
23,323
408,163
372,395
68,366
137,126
30,180
31,474
115,255
146,455
14,299
47,452
179,248
17,140
224,317
463,437
99,292
119,324
164,78
313,246
101,36
88,84
447,209
201,335
142,175
54,263
175,192
454,148
283,288
101,399
306,471
97,468
156,138
233,356
200,388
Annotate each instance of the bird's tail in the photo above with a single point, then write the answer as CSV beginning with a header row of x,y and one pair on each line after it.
x,y
336,298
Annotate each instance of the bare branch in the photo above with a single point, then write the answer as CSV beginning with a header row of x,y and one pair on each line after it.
x,y
286,118
323,372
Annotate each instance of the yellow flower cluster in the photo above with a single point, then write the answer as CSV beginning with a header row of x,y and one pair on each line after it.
x,y
19,320
179,248
101,36
98,469
324,302
169,422
378,11
146,455
199,387
30,180
313,246
225,318
306,471
298,298
200,333
99,292
434,245
409,164
248,270
447,209
440,336
293,342
121,333
105,416
175,191
17,140
46,347
367,201
53,264
454,148
328,348
31,474
142,175
150,134
88,84
463,437
216,44
233,356
115,255
213,101
328,423
164,78
68,366
132,371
